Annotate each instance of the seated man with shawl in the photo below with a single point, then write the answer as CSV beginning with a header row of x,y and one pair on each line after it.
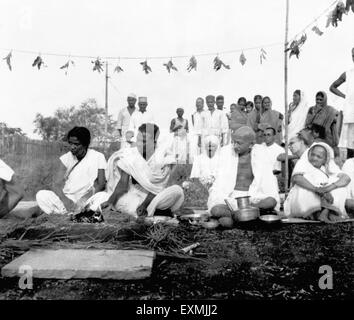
x,y
243,173
206,164
319,186
138,177
79,178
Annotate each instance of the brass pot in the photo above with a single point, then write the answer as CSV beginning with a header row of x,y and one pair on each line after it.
x,y
243,202
246,214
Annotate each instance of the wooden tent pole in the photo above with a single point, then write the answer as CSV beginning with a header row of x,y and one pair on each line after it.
x,y
286,97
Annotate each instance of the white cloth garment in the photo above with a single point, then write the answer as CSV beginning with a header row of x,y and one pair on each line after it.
x,y
81,179
123,123
298,117
205,168
6,172
300,202
273,152
180,141
152,176
263,185
137,119
50,203
79,184
198,129
169,198
348,168
216,123
348,110
346,139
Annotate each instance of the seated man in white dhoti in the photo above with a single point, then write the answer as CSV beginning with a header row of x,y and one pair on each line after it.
x,y
243,173
79,178
138,177
206,164
319,186
348,168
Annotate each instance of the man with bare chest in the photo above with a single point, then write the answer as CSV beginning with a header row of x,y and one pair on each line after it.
x,y
244,173
245,176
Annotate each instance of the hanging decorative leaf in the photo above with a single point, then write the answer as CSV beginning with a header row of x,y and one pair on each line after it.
x,y
192,64
146,67
218,64
317,30
336,15
296,45
118,69
169,65
349,4
8,60
98,65
38,62
243,59
66,66
262,55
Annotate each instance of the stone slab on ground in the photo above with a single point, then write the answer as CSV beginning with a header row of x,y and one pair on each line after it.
x,y
82,264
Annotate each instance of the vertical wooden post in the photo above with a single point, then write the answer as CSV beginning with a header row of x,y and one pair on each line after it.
x,y
106,102
286,97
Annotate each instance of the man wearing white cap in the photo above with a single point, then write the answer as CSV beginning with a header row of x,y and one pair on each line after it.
x,y
138,118
124,118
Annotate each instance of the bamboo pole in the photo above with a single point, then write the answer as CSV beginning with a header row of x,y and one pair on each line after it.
x,y
106,102
286,97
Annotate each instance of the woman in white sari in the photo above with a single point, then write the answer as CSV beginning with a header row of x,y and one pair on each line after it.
x,y
205,165
319,186
297,113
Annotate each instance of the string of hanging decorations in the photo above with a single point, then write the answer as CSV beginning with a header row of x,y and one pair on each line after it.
x,y
334,13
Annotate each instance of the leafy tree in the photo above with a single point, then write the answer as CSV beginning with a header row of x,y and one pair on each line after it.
x,y
88,115
6,130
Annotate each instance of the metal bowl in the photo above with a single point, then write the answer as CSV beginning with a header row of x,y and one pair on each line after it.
x,y
270,219
246,214
243,202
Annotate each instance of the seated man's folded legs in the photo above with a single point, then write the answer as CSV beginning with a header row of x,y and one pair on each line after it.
x,y
170,198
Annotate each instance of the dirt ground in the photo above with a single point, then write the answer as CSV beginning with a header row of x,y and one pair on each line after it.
x,y
247,262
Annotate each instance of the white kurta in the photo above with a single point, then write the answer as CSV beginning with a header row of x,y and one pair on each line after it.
x,y
6,172
180,141
79,184
273,152
123,122
347,135
216,123
198,129
137,119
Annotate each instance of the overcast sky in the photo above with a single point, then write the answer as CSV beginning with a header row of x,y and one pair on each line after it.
x,y
142,28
